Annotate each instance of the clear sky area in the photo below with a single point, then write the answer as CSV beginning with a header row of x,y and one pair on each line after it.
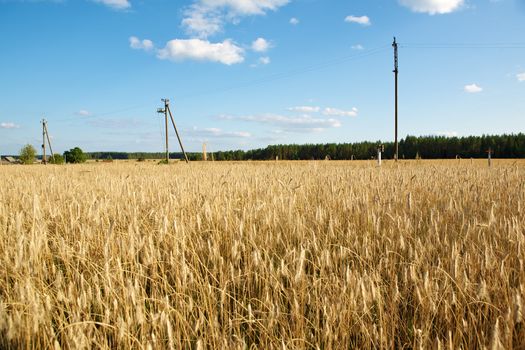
x,y
245,74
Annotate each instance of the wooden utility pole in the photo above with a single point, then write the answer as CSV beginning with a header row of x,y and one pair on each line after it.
x,y
44,161
489,152
396,72
177,133
166,104
167,110
204,154
49,143
45,136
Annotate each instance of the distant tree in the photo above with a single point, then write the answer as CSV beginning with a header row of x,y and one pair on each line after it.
x,y
56,159
27,154
75,155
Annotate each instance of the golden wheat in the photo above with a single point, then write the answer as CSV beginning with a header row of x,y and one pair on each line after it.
x,y
263,255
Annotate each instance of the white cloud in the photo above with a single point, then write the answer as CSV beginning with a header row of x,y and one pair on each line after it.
x,y
447,133
433,6
363,20
472,88
116,4
304,122
260,45
264,60
520,76
137,44
83,113
294,21
358,47
8,125
328,111
305,109
207,17
218,133
225,52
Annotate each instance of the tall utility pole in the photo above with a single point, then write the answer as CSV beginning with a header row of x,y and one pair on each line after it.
x,y
44,160
45,136
167,110
204,153
396,72
49,143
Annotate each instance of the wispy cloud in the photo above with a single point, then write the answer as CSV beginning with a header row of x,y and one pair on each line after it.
x,y
472,88
305,109
208,17
447,133
303,123
115,4
206,133
261,45
83,113
358,47
335,112
363,20
137,44
520,76
433,7
226,52
294,21
264,60
9,125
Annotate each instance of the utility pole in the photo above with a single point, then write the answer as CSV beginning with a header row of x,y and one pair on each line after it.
x,y
44,141
167,110
396,72
204,154
49,143
45,136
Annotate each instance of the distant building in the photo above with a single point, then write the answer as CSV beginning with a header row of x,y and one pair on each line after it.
x,y
9,160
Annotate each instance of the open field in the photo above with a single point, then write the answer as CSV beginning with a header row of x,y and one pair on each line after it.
x,y
263,254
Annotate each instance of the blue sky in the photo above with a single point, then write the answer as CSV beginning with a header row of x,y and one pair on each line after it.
x,y
243,74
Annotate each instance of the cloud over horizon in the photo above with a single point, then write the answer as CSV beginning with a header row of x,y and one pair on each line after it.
x,y
115,4
9,125
363,20
433,7
226,52
473,88
137,44
205,18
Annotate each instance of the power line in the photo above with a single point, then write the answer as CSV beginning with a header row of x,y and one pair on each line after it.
x,y
462,45
295,72
263,80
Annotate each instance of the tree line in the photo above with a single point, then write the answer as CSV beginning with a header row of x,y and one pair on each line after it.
x,y
411,147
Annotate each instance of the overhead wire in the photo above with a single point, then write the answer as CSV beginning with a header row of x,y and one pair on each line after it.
x,y
462,45
254,82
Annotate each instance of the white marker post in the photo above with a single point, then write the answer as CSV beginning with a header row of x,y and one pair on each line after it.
x,y
380,149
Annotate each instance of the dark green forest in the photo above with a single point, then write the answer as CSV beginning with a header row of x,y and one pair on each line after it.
x,y
411,147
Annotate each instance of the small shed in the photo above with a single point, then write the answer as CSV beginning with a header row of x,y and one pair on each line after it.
x,y
11,160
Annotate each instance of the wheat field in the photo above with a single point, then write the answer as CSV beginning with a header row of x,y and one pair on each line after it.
x,y
263,255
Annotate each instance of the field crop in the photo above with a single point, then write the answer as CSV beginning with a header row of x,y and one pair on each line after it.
x,y
420,254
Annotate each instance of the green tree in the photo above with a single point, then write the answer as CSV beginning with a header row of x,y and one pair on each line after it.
x,y
56,159
27,154
75,155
